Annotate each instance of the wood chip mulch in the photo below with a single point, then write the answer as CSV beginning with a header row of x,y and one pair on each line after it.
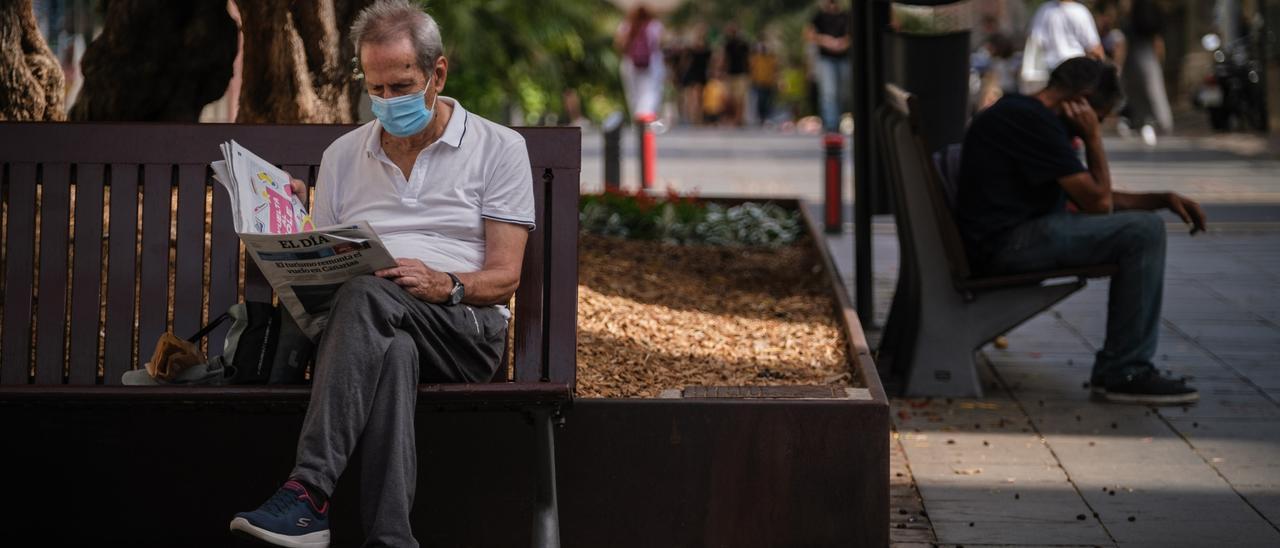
x,y
654,317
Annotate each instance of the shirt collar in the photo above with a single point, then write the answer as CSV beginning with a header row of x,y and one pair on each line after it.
x,y
453,133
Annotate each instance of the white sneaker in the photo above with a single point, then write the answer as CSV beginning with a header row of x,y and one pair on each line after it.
x,y
1149,135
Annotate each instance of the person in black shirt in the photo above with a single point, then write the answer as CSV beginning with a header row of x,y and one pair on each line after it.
x,y
736,55
829,30
1019,169
695,65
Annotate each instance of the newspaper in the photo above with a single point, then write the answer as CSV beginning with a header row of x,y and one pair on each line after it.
x,y
304,264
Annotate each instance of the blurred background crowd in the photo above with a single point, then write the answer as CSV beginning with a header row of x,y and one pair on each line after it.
x,y
779,64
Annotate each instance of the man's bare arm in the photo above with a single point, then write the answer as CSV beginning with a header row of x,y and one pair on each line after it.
x,y
494,283
503,254
1090,191
1185,208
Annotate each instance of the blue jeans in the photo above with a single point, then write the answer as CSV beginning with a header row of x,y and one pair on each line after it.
x,y
1132,240
834,76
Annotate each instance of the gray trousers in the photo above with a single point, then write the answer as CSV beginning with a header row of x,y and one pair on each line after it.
x,y
379,344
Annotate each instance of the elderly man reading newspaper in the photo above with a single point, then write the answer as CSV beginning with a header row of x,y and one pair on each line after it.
x,y
450,195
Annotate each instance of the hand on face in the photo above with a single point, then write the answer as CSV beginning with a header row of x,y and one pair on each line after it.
x,y
419,280
1081,117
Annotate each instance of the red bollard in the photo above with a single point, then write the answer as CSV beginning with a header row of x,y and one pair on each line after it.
x,y
648,149
833,148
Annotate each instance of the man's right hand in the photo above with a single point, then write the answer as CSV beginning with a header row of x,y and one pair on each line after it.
x,y
1082,118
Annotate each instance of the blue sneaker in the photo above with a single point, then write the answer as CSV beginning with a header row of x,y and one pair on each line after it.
x,y
289,518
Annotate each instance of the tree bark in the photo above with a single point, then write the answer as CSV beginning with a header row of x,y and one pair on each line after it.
x,y
157,60
297,61
32,86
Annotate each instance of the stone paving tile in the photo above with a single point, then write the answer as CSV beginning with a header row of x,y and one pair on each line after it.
x,y
1066,531
1244,452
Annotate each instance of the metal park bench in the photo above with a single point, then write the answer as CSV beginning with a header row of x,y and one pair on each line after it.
x,y
942,311
108,231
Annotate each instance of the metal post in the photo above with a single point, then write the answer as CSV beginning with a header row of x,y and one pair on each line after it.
x,y
648,144
870,18
613,151
546,507
833,182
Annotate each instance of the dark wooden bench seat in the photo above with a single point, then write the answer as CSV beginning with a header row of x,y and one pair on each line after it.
x,y
81,304
943,311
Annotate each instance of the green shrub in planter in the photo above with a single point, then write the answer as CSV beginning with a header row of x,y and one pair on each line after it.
x,y
678,219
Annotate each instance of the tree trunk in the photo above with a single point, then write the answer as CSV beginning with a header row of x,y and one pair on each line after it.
x,y
157,60
297,61
32,86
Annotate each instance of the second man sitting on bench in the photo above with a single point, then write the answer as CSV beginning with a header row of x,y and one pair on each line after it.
x,y
1017,172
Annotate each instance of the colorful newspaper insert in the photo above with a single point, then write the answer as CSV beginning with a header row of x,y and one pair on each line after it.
x,y
305,265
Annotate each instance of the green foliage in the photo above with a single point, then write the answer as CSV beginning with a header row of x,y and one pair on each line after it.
x,y
513,53
684,220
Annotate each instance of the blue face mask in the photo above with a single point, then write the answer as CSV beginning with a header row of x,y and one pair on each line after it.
x,y
404,115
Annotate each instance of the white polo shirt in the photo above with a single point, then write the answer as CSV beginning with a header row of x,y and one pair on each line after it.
x,y
477,170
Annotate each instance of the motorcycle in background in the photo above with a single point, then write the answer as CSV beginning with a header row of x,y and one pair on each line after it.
x,y
1232,93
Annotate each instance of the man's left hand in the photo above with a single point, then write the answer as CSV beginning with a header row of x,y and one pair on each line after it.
x,y
419,280
1188,210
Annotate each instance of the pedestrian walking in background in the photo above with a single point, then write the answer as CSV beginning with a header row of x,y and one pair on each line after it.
x,y
764,80
1143,76
829,30
694,64
1115,47
1060,30
737,53
715,95
639,40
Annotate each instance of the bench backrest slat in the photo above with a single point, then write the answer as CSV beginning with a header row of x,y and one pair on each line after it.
x,y
224,265
55,205
19,275
86,274
153,266
164,215
117,345
935,220
188,262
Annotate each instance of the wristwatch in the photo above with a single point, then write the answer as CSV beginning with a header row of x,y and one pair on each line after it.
x,y
458,291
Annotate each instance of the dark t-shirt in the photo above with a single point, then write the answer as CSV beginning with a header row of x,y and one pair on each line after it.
x,y
699,59
736,52
1014,154
832,24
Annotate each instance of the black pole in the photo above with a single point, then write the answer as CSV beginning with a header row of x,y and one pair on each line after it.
x,y
613,151
870,18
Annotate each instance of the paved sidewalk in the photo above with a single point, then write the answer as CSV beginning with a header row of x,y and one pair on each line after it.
x,y
1036,462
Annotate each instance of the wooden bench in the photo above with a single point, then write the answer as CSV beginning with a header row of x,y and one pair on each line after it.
x,y
109,228
942,311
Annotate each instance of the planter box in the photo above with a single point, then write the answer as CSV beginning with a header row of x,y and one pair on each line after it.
x,y
707,471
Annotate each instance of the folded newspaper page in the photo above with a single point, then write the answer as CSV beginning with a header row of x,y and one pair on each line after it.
x,y
304,264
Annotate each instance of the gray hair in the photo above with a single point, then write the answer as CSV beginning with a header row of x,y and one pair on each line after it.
x,y
389,20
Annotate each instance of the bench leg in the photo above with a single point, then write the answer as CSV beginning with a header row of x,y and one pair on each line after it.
x,y
546,509
942,353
